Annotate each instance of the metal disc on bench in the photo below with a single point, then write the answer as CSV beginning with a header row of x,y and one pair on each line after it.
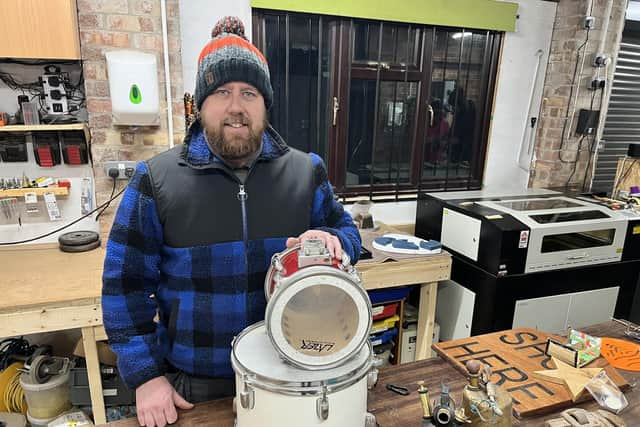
x,y
78,238
80,248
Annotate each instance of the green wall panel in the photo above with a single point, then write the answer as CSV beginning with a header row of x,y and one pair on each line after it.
x,y
480,14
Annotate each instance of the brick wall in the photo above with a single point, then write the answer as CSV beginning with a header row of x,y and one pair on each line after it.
x,y
127,24
568,35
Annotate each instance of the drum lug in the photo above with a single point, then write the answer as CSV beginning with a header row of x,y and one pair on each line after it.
x,y
276,263
247,396
346,262
372,376
370,420
322,406
350,269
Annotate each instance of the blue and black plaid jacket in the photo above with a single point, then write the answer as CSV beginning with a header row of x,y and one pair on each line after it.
x,y
182,253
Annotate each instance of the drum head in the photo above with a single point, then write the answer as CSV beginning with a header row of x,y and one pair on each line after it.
x,y
318,317
253,355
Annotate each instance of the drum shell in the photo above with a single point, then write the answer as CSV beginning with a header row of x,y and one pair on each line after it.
x,y
285,402
347,407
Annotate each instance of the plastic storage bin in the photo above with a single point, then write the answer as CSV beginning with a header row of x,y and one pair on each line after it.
x,y
382,311
384,324
384,337
378,296
114,389
48,400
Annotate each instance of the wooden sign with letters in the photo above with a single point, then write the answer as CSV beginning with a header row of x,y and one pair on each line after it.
x,y
513,356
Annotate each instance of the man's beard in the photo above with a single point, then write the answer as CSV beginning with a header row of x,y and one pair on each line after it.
x,y
235,148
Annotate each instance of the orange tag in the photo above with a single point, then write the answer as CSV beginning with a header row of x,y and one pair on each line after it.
x,y
621,354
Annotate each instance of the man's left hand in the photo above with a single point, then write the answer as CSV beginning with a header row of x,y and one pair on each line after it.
x,y
331,242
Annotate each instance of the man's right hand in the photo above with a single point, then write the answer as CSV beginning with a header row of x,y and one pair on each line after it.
x,y
156,402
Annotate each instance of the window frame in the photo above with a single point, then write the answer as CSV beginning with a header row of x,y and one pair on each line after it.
x,y
343,69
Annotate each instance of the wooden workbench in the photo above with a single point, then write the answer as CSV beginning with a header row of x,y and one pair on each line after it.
x,y
393,410
424,270
47,290
44,289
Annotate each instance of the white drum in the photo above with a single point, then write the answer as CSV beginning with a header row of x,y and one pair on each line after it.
x,y
272,393
318,314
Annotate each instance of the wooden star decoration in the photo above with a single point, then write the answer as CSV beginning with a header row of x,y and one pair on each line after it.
x,y
574,378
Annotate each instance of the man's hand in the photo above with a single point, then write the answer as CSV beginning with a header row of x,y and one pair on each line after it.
x,y
156,402
331,242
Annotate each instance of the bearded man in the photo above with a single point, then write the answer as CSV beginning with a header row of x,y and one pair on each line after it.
x,y
196,229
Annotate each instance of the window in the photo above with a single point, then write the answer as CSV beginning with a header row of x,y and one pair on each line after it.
x,y
391,107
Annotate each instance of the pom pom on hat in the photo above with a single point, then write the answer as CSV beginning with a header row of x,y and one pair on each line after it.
x,y
230,57
228,24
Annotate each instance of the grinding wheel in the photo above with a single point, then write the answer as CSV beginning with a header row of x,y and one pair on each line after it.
x,y
42,368
80,248
78,238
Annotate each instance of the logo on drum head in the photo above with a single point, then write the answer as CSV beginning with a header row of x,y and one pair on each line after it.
x,y
318,346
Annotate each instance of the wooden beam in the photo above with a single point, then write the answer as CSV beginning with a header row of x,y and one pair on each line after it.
x,y
49,319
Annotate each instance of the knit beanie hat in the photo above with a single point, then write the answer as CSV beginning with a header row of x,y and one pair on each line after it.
x,y
230,57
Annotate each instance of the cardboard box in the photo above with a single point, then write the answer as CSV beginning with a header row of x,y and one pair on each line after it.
x,y
105,355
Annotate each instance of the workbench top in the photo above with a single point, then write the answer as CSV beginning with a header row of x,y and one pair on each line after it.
x,y
37,275
393,410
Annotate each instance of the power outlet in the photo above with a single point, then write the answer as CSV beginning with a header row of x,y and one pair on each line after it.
x,y
125,168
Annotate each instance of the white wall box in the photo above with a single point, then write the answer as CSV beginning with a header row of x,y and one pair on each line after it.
x,y
133,85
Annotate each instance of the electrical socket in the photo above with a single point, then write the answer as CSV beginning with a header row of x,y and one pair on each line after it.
x,y
588,22
597,83
601,59
125,168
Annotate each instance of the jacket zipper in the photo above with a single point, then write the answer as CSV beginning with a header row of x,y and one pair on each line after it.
x,y
242,196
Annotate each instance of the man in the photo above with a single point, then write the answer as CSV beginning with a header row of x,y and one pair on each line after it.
x,y
195,231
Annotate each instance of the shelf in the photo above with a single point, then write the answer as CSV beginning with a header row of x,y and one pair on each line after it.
x,y
19,192
43,128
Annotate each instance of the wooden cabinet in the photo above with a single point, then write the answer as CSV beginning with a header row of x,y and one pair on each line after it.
x,y
39,29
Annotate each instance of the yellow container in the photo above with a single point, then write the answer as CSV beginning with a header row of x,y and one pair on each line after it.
x,y
49,399
384,324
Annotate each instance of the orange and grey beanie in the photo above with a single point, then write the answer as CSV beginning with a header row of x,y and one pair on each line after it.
x,y
230,57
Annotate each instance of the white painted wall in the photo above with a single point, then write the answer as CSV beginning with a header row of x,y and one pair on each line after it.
x,y
512,97
516,92
197,18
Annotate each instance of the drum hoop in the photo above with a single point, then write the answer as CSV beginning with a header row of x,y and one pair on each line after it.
x,y
305,274
292,388
281,255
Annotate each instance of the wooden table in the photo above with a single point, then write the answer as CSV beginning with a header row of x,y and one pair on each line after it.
x,y
44,289
393,410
